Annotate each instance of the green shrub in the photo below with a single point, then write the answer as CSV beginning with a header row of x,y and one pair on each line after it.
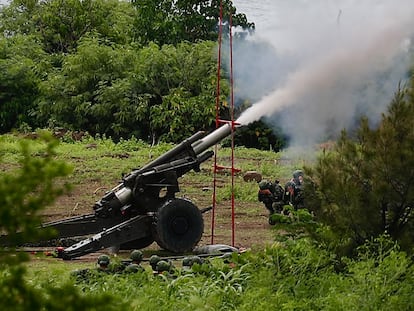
x,y
24,192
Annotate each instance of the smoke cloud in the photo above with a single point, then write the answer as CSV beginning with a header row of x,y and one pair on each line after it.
x,y
330,62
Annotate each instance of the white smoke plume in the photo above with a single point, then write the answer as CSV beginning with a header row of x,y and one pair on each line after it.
x,y
333,62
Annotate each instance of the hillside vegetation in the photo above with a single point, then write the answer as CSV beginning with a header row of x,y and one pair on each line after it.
x,y
92,89
286,271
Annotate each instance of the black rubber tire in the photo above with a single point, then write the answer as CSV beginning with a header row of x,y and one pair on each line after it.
x,y
138,244
179,226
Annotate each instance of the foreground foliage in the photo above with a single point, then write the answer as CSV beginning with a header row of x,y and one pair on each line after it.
x,y
24,191
293,274
300,275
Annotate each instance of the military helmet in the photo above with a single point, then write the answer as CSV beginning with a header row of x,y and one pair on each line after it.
x,y
103,260
154,259
197,260
187,261
133,268
264,184
297,173
136,255
290,187
162,266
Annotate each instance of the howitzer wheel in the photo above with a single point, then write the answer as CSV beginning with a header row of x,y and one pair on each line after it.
x,y
179,226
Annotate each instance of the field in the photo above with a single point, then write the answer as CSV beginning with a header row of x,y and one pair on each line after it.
x,y
293,274
98,165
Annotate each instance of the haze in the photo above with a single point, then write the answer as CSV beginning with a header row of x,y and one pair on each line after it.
x,y
333,62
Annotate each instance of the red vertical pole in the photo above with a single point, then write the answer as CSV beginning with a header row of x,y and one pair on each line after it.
x,y
213,213
233,231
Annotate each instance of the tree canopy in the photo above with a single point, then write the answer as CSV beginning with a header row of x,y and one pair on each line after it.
x,y
142,68
173,21
144,92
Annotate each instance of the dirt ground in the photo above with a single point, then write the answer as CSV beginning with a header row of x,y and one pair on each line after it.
x,y
249,230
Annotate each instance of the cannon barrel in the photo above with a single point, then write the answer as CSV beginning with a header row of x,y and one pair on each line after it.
x,y
175,153
193,147
143,208
211,139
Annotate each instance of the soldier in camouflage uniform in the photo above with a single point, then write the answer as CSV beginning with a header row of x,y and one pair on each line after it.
x,y
135,265
84,275
166,268
103,263
272,196
154,259
294,190
189,261
275,197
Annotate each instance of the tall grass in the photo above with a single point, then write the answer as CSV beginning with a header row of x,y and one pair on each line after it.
x,y
294,275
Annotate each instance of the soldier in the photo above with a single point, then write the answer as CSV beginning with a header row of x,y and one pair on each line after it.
x,y
81,275
272,196
189,261
154,259
165,267
135,265
134,268
103,263
85,274
197,260
294,190
136,256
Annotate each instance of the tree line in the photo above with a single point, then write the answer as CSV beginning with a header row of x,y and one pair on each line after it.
x,y
138,68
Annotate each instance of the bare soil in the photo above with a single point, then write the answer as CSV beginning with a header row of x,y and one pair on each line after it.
x,y
248,228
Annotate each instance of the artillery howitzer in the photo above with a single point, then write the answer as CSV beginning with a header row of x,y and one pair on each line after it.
x,y
143,207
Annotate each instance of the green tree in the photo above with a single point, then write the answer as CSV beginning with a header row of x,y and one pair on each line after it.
x,y
183,81
171,22
18,18
24,192
100,81
152,92
60,24
365,187
22,66
27,189
89,90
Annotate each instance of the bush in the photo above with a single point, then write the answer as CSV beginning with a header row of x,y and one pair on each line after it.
x,y
23,193
364,187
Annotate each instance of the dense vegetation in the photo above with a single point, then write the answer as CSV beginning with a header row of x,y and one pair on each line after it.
x,y
126,70
121,69
307,268
144,69
364,188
